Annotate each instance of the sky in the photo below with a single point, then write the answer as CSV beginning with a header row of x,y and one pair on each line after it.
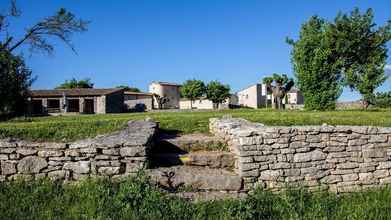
x,y
136,42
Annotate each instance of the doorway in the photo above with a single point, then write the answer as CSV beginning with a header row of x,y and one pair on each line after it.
x,y
89,106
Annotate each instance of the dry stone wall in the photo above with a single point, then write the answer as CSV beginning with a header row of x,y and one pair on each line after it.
x,y
113,155
336,158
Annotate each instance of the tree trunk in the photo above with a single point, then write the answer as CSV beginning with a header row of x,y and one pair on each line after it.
x,y
365,104
191,104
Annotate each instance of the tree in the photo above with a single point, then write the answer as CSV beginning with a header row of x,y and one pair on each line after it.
x,y
130,89
15,80
160,100
363,51
61,25
346,52
315,65
382,99
217,93
15,77
193,89
74,83
279,85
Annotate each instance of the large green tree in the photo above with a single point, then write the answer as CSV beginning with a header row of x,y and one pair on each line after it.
x,y
350,51
15,80
74,83
217,92
278,85
15,77
363,51
315,65
193,89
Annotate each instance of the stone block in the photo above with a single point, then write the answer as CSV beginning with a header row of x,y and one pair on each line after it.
x,y
349,177
108,171
31,164
7,168
79,167
132,151
381,173
384,165
310,156
50,153
331,179
377,139
270,175
26,151
57,174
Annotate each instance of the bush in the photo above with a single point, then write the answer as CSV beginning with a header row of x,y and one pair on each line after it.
x,y
383,100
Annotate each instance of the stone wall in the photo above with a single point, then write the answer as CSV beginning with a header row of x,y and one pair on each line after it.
x,y
337,158
113,155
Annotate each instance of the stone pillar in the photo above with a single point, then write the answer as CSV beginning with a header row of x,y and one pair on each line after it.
x,y
81,105
45,105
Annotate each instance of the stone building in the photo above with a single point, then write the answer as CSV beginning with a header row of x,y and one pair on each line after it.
x,y
138,101
89,101
253,96
256,96
168,90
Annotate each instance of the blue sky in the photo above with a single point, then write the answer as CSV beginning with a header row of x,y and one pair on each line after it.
x,y
136,42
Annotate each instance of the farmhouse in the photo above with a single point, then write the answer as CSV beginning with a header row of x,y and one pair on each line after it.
x,y
89,101
256,96
204,103
169,90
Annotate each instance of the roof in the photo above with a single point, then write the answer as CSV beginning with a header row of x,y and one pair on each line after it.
x,y
72,92
167,83
137,93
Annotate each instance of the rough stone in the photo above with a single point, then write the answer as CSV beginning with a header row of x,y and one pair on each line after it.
x,y
80,167
7,168
31,164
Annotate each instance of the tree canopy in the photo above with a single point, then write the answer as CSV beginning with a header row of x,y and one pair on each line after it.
x,y
349,51
217,92
128,88
74,83
15,80
193,89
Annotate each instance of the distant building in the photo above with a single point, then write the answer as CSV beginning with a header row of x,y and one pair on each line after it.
x,y
89,101
256,96
168,90
253,96
138,101
204,103
294,99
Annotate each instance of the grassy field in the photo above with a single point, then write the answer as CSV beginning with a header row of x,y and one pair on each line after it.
x,y
137,199
68,128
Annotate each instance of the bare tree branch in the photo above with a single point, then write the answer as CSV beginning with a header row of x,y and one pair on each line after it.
x,y
61,25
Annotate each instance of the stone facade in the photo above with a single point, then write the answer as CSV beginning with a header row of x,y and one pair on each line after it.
x,y
336,158
168,90
114,155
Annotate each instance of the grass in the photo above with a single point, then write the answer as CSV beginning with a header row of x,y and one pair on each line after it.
x,y
68,128
135,198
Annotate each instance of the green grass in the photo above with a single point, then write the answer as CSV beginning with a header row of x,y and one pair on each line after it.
x,y
135,198
67,128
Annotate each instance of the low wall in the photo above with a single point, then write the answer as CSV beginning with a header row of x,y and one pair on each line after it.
x,y
337,158
113,155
